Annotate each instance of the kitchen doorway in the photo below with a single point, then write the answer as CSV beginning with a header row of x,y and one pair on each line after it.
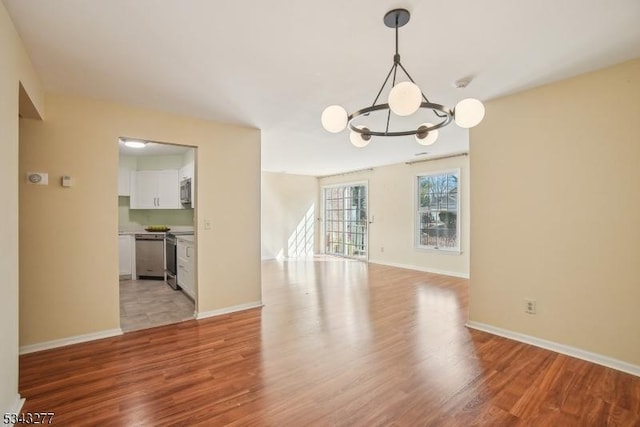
x,y
346,220
156,204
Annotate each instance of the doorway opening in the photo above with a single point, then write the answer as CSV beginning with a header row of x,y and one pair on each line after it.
x,y
156,217
346,220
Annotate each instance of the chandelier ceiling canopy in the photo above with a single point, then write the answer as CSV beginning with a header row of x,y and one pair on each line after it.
x,y
405,99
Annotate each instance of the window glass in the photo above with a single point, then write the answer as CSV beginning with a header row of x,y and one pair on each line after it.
x,y
437,214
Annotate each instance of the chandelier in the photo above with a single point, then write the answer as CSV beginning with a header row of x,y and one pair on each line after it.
x,y
405,98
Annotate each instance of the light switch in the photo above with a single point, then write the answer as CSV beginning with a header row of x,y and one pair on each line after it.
x,y
207,224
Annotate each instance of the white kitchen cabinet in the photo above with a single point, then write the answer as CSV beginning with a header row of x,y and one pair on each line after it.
x,y
125,255
123,182
155,189
186,256
125,166
143,190
168,190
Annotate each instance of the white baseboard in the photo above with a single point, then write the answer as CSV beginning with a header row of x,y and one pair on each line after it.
x,y
596,358
18,404
419,268
16,407
32,348
227,310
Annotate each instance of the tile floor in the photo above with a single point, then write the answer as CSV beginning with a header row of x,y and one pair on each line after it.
x,y
148,303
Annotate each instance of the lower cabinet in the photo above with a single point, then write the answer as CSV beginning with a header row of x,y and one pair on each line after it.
x,y
186,260
125,255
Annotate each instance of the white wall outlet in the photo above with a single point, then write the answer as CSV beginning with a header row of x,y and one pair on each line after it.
x,y
530,306
38,178
207,224
381,248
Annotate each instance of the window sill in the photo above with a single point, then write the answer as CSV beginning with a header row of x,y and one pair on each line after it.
x,y
455,251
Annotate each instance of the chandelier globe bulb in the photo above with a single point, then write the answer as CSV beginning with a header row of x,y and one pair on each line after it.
x,y
426,138
405,98
334,118
359,140
468,113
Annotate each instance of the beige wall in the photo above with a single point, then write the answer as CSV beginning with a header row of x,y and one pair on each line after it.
x,y
392,204
15,69
556,213
289,203
68,236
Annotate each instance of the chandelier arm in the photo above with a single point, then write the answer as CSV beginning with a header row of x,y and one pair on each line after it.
x,y
447,118
407,73
384,84
396,61
395,73
423,95
436,112
386,130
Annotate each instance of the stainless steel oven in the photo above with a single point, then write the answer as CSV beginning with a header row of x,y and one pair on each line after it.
x,y
171,244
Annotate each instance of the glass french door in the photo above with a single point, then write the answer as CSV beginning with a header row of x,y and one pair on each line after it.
x,y
345,221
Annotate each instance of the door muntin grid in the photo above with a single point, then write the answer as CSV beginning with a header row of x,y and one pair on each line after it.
x,y
346,221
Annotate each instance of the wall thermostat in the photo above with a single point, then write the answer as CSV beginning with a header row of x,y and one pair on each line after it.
x,y
65,181
38,178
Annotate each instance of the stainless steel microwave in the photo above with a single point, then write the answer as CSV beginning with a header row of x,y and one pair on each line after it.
x,y
185,191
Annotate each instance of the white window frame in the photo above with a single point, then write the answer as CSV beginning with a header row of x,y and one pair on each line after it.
x,y
416,210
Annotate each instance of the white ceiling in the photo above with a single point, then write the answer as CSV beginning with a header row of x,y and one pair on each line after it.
x,y
276,64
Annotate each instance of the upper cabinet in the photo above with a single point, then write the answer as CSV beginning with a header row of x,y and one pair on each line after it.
x,y
125,166
152,180
123,182
155,189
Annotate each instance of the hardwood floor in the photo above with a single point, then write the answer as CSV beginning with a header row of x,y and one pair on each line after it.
x,y
337,343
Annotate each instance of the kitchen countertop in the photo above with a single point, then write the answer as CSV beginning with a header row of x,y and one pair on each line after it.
x,y
124,233
186,238
143,231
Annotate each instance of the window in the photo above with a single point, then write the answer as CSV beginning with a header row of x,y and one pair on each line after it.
x,y
437,211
